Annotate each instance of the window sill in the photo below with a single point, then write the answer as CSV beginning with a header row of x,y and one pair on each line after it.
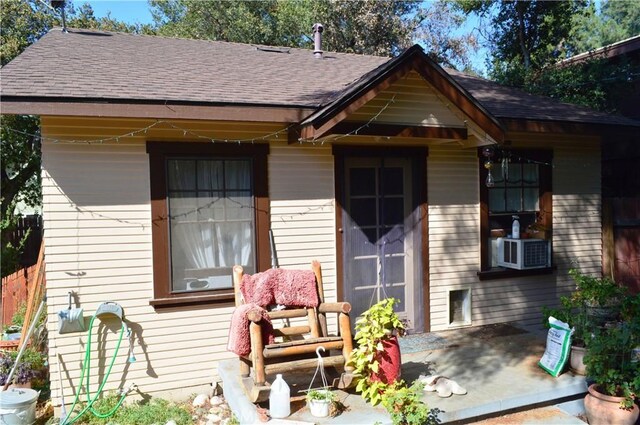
x,y
503,273
192,300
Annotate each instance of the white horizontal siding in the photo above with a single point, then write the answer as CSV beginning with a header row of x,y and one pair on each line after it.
x,y
301,189
98,244
413,101
454,256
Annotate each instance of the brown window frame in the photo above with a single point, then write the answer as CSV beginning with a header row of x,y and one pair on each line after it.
x,y
545,204
158,153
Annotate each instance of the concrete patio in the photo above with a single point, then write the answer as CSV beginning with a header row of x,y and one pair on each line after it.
x,y
497,364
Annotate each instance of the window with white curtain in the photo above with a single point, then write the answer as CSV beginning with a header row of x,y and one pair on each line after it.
x,y
211,221
209,212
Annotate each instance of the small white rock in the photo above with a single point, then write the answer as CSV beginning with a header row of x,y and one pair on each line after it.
x,y
171,422
213,418
200,400
216,400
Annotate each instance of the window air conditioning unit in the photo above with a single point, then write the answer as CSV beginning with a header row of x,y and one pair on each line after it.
x,y
523,254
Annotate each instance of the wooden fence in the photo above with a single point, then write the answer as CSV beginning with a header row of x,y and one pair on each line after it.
x,y
15,292
28,286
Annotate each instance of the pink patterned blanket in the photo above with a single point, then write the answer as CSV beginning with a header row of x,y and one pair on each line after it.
x,y
239,341
280,286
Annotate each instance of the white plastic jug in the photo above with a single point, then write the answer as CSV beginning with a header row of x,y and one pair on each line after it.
x,y
515,227
279,398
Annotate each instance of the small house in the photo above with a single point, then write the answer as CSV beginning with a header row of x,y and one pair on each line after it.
x,y
167,161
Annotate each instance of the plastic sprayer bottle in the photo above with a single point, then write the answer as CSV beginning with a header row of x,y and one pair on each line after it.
x,y
515,228
279,398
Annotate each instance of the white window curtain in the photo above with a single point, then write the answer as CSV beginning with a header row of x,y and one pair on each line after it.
x,y
211,216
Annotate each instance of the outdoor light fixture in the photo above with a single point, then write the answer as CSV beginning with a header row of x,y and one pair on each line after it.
x,y
488,154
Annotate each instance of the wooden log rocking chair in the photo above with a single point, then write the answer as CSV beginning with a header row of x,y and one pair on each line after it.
x,y
298,343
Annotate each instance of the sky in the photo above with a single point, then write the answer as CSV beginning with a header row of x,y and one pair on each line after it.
x,y
131,11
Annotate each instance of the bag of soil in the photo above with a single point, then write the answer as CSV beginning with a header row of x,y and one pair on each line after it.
x,y
558,346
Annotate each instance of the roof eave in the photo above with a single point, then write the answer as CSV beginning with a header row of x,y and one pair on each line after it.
x,y
132,108
517,125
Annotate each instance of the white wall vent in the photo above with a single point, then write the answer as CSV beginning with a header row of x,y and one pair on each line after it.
x,y
460,307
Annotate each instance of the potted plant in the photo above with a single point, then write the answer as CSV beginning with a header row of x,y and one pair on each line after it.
x,y
612,365
376,360
30,368
320,402
537,230
600,296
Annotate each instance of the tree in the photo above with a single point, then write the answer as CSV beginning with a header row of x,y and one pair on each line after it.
x,y
597,83
616,20
363,26
526,35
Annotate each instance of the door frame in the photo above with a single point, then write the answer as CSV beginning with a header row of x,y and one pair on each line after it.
x,y
418,157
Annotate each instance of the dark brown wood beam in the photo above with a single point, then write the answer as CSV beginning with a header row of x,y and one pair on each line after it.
x,y
294,134
398,130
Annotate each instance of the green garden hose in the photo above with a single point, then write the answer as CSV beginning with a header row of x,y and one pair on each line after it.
x,y
85,372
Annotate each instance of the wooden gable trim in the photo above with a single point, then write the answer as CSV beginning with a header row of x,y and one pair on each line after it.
x,y
442,82
323,125
417,61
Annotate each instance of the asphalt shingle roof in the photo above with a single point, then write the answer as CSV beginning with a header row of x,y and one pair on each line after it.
x,y
100,65
104,65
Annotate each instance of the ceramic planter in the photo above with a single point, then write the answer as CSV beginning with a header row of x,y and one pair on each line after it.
x,y
603,409
319,408
576,360
389,360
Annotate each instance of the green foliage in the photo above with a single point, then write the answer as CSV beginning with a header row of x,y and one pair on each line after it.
x,y
596,291
610,360
405,406
616,21
21,182
321,395
525,35
376,324
18,316
31,368
154,411
527,38
575,309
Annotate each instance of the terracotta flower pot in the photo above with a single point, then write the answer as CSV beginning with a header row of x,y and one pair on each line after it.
x,y
389,360
576,361
604,409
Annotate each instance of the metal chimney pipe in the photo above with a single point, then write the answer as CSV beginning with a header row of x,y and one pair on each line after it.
x,y
317,40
